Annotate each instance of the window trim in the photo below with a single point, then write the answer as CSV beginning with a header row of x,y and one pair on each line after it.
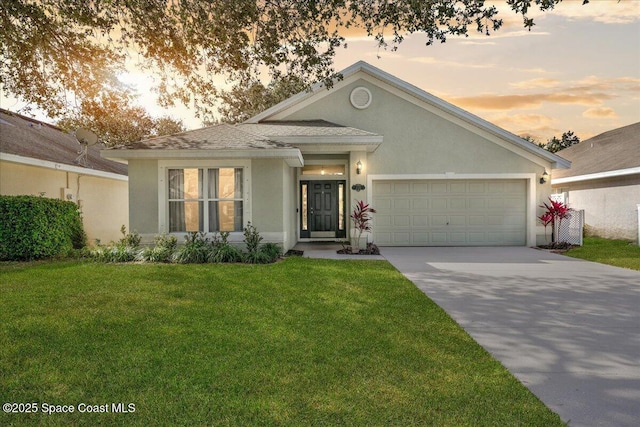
x,y
163,190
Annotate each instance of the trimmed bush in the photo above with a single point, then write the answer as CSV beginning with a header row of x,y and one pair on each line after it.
x,y
37,227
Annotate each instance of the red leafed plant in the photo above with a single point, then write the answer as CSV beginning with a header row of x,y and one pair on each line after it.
x,y
361,218
555,213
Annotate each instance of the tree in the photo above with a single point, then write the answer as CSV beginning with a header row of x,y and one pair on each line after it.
x,y
566,140
245,100
116,121
554,144
58,52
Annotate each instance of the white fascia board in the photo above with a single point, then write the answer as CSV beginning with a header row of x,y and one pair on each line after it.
x,y
336,148
30,161
356,139
598,175
293,156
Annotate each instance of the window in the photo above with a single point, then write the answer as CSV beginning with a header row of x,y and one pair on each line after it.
x,y
205,199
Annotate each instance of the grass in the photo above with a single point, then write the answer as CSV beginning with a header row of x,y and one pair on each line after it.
x,y
620,253
300,342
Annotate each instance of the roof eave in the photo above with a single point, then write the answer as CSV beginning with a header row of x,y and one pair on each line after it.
x,y
292,156
597,175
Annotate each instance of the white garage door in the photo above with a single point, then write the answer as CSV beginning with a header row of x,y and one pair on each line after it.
x,y
449,212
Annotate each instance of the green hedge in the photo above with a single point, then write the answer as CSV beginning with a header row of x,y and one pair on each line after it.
x,y
36,227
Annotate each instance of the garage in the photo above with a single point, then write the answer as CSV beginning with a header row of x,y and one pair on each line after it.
x,y
470,212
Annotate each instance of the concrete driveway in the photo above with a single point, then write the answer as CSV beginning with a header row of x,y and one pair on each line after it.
x,y
569,330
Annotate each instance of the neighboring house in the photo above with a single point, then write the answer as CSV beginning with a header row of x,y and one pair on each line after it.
x,y
39,159
604,180
436,174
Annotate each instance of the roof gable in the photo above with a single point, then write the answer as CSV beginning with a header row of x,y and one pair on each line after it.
x,y
419,97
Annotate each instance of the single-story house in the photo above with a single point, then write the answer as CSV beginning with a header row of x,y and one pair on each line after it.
x,y
604,180
39,159
436,174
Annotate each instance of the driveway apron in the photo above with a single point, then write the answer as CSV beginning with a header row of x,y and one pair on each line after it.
x,y
568,329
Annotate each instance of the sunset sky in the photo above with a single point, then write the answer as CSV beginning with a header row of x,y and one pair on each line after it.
x,y
578,69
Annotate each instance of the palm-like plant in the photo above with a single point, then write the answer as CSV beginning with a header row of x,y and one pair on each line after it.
x,y
555,213
361,218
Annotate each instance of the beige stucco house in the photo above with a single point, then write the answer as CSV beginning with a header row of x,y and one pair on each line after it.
x,y
436,174
39,159
604,180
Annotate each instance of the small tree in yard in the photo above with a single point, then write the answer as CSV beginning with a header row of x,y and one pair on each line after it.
x,y
361,219
555,213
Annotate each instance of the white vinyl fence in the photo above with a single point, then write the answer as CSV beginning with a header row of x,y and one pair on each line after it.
x,y
570,229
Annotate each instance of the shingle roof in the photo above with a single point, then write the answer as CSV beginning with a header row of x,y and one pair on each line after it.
x,y
27,137
301,128
218,137
613,150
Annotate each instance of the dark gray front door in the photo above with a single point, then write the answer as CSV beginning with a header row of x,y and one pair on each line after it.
x,y
322,209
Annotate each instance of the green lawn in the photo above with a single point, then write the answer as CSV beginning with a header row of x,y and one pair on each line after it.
x,y
300,342
620,253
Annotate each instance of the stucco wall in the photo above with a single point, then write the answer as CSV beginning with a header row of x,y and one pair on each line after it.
x,y
143,197
103,202
267,197
610,206
417,141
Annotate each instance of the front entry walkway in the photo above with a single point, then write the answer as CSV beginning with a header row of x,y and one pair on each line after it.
x,y
568,329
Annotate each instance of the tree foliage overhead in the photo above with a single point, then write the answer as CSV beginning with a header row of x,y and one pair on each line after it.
x,y
556,144
116,121
59,53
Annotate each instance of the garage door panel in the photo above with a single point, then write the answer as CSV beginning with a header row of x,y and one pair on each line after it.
x,y
420,188
402,204
420,221
439,204
439,220
401,221
402,188
457,204
438,187
420,203
450,212
457,220
458,187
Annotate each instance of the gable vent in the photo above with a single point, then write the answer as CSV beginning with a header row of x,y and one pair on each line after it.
x,y
361,98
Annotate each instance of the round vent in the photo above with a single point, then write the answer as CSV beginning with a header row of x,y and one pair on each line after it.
x,y
360,98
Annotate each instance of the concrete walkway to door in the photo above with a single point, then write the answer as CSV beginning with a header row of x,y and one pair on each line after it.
x,y
568,329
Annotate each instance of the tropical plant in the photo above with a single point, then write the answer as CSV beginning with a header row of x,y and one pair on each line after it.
x,y
162,251
129,239
196,249
361,217
554,214
251,238
272,250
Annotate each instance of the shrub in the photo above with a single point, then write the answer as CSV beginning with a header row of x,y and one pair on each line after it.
x,y
37,227
256,257
132,239
361,219
196,249
225,252
251,238
272,250
162,251
554,213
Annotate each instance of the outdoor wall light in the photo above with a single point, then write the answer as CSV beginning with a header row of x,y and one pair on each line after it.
x,y
545,177
359,167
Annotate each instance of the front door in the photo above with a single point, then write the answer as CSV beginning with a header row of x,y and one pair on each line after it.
x,y
322,209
